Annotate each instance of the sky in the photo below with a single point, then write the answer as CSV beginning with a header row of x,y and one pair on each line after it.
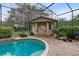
x,y
58,8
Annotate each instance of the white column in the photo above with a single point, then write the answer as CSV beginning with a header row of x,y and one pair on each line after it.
x,y
47,25
52,25
36,27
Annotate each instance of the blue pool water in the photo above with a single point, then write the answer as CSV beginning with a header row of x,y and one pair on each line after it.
x,y
23,47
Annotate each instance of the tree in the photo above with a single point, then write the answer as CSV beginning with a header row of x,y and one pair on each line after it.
x,y
24,14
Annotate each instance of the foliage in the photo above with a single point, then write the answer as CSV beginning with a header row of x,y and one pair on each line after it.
x,y
68,31
71,31
62,34
6,32
20,29
22,34
22,19
68,28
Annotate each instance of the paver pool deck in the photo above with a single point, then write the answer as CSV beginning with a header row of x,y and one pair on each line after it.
x,y
61,48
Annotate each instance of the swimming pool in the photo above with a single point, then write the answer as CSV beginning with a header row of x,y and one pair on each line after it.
x,y
23,47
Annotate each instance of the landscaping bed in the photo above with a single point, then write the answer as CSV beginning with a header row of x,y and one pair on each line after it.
x,y
7,32
67,33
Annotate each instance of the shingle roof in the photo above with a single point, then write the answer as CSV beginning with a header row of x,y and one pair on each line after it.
x,y
45,18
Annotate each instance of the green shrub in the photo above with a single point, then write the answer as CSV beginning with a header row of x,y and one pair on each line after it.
x,y
22,34
62,34
59,32
6,32
56,30
68,31
72,32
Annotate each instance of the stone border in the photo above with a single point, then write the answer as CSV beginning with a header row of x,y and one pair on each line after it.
x,y
5,40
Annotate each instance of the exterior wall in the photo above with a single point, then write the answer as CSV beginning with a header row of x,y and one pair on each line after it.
x,y
41,28
43,31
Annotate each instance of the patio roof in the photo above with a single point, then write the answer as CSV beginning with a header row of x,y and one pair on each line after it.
x,y
42,17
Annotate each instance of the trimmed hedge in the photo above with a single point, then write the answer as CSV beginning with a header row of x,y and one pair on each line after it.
x,y
68,31
6,32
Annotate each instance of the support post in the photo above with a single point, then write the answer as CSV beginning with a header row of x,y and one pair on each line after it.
x,y
51,14
72,23
0,14
57,22
47,26
36,26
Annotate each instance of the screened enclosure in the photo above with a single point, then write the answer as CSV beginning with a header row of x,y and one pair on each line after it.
x,y
19,15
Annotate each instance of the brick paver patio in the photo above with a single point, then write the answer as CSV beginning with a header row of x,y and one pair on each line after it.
x,y
61,48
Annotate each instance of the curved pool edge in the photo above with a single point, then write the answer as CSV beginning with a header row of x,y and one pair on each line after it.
x,y
45,53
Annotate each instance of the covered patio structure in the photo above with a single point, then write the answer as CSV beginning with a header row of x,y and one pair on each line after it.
x,y
43,26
